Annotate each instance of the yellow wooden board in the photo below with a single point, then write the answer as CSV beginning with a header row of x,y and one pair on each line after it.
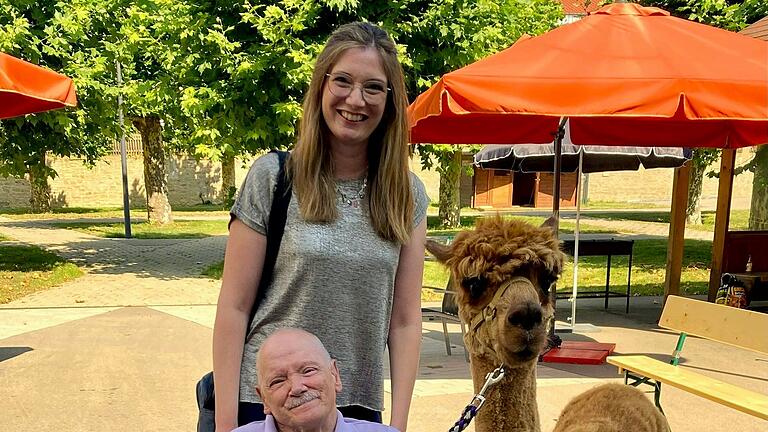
x,y
738,327
730,395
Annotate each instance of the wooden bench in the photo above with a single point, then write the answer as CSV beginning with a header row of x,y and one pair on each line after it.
x,y
737,327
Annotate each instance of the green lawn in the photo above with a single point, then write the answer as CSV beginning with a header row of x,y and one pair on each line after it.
x,y
468,222
648,268
739,219
27,269
620,205
180,229
214,271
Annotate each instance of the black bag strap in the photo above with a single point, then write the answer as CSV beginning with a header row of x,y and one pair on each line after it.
x,y
275,228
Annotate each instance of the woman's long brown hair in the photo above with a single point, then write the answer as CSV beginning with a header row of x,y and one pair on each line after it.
x,y
390,200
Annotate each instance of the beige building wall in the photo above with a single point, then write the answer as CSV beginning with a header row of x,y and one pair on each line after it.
x,y
430,178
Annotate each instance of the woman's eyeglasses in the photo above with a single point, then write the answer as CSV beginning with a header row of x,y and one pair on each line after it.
x,y
373,92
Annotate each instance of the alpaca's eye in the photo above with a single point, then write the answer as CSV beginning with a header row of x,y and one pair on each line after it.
x,y
547,279
475,285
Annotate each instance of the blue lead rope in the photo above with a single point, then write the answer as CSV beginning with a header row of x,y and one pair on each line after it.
x,y
466,417
470,411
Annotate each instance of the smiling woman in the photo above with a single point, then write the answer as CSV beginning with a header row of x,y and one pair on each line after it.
x,y
353,242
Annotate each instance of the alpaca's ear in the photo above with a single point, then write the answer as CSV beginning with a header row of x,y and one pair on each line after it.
x,y
440,251
550,223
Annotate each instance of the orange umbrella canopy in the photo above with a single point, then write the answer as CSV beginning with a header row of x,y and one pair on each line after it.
x,y
26,88
626,75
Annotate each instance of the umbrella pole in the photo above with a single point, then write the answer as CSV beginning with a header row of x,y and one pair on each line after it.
x,y
554,341
576,244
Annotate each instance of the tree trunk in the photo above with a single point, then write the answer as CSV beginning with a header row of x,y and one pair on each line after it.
x,y
155,183
228,186
758,212
450,175
40,196
693,209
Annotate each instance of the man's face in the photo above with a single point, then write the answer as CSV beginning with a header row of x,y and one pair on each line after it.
x,y
298,383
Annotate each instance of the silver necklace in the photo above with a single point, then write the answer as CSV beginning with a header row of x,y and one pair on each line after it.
x,y
354,199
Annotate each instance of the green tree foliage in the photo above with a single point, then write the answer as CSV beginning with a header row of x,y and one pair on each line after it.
x,y
252,100
453,34
731,15
166,49
249,98
222,78
169,52
39,33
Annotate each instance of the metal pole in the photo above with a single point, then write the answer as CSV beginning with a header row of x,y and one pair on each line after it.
x,y
576,243
556,175
123,154
556,211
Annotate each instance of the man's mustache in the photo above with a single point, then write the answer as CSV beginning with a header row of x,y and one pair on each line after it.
x,y
308,396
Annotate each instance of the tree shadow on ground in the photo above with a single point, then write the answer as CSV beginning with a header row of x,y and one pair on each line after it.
x,y
165,259
27,259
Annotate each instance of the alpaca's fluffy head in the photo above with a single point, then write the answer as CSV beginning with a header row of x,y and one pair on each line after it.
x,y
510,255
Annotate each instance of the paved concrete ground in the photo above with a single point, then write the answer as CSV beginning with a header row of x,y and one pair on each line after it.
x,y
122,347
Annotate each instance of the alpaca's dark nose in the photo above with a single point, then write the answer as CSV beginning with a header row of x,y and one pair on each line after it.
x,y
527,316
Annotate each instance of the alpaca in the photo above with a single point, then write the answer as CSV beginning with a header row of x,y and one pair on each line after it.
x,y
611,408
503,271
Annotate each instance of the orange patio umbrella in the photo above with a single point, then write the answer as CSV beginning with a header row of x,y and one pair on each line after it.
x,y
26,88
624,75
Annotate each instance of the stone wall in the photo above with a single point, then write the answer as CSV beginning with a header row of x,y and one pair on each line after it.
x,y
14,192
190,182
193,182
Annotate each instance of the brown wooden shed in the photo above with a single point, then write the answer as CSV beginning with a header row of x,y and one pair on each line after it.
x,y
504,189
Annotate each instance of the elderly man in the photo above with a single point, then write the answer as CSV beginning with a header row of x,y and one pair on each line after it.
x,y
298,382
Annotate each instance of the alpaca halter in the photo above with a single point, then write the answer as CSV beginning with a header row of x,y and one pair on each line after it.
x,y
488,313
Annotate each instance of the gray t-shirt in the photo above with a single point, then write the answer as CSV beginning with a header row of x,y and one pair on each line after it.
x,y
335,280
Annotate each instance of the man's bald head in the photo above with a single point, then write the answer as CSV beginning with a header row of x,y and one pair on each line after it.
x,y
298,381
291,336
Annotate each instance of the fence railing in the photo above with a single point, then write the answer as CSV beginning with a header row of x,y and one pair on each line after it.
x,y
132,145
